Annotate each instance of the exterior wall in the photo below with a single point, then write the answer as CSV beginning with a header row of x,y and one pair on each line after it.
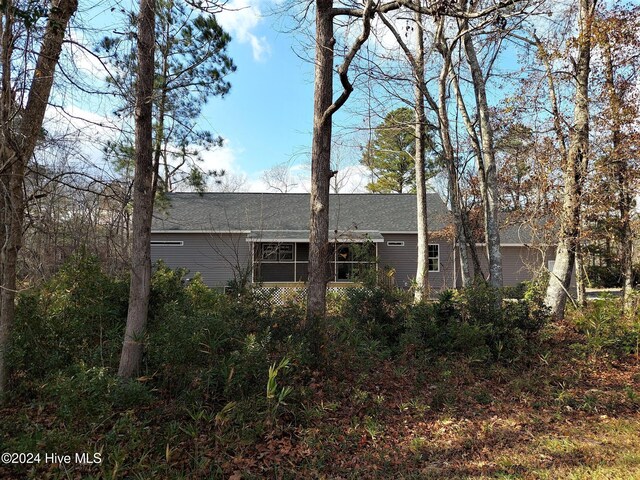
x,y
217,256
404,260
518,263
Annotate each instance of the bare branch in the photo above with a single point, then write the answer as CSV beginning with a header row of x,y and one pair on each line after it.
x,y
343,69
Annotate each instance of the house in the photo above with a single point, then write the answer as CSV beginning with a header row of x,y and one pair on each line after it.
x,y
264,237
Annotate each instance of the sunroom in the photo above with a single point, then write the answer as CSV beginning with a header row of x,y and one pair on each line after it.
x,y
282,257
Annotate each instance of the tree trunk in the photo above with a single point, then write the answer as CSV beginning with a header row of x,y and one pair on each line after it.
x,y
422,274
487,172
320,167
581,285
626,235
16,150
574,169
476,146
132,349
448,155
619,160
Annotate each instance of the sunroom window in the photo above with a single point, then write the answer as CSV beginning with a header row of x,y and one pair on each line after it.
x,y
277,252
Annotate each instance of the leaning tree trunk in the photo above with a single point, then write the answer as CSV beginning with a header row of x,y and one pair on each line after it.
x,y
16,148
320,169
574,169
132,348
477,149
422,272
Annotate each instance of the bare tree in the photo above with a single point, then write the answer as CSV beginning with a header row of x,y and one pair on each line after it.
x,y
231,182
616,31
325,107
417,62
574,168
485,157
448,152
279,178
20,128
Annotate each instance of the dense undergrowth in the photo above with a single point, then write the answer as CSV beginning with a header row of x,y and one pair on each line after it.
x,y
230,378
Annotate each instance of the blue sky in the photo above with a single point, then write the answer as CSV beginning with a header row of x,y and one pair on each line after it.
x,y
267,117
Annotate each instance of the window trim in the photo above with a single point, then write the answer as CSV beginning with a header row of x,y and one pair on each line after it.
x,y
167,243
437,257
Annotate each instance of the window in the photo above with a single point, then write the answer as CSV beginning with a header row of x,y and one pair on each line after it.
x,y
167,243
281,262
395,244
289,262
434,258
352,260
277,252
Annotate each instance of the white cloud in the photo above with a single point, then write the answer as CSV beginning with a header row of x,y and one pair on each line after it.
x,y
222,158
240,18
82,134
352,179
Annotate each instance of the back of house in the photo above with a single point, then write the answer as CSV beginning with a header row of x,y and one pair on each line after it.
x,y
263,238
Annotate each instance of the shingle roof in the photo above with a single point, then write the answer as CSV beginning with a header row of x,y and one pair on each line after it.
x,y
528,231
277,211
516,234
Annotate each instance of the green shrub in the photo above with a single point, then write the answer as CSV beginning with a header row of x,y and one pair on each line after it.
x,y
78,315
352,347
476,323
91,392
606,328
517,291
380,310
439,328
217,347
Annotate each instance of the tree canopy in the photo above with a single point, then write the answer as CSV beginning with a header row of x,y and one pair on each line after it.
x,y
191,66
390,154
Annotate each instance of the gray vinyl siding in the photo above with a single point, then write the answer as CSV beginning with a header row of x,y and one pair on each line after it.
x,y
519,263
404,260
218,257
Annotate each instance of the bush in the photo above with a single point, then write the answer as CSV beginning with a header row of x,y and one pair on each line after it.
x,y
475,323
217,347
606,327
78,315
517,291
380,310
440,328
83,391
